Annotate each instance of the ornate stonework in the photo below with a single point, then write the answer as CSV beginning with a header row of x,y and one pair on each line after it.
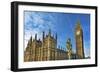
x,y
46,49
79,41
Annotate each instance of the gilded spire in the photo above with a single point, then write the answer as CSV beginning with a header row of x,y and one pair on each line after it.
x,y
78,24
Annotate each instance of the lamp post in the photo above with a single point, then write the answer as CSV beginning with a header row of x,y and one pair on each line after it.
x,y
69,47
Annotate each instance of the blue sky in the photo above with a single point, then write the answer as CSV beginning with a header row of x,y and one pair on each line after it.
x,y
61,23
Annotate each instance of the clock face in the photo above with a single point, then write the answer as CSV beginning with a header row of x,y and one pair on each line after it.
x,y
78,32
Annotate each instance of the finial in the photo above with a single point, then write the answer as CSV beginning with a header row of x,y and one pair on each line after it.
x,y
78,23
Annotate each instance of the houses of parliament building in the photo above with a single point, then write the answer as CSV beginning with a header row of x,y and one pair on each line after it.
x,y
46,49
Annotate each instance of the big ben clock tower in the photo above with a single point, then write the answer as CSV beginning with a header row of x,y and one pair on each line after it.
x,y
79,41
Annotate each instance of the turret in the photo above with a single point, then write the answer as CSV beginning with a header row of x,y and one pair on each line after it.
x,y
31,38
56,37
30,41
49,34
35,36
43,36
29,44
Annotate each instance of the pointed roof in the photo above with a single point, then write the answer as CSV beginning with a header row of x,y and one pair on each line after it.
x,y
29,43
78,24
31,38
56,36
43,35
36,36
49,31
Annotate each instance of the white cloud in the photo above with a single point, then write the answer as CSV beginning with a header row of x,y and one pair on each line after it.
x,y
35,23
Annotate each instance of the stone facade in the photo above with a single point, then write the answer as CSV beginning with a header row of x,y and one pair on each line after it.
x,y
46,49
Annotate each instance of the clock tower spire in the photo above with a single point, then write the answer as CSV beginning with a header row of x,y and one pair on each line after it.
x,y
79,41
